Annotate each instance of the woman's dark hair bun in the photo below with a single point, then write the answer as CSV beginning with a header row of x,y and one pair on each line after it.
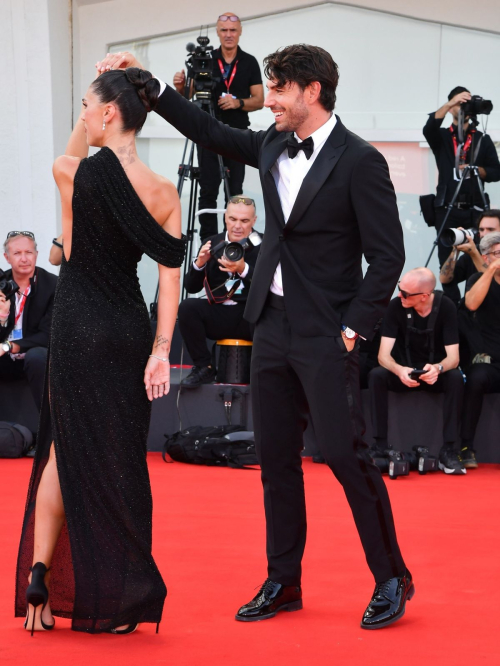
x,y
148,88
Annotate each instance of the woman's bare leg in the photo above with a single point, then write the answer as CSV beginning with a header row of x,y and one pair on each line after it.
x,y
49,520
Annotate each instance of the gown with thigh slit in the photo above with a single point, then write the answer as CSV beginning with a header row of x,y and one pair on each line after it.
x,y
103,574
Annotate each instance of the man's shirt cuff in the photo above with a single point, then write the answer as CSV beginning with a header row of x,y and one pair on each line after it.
x,y
197,268
245,271
163,85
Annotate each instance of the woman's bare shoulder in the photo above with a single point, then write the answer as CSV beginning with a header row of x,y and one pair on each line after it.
x,y
65,167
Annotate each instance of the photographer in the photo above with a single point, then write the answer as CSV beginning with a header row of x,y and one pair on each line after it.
x,y
420,328
483,298
238,90
477,149
456,270
224,281
25,317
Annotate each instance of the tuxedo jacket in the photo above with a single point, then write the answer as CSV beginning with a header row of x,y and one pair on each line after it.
x,y
193,282
346,207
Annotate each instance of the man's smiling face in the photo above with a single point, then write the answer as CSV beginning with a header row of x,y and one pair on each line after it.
x,y
287,104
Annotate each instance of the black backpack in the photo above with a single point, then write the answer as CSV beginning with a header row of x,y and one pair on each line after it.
x,y
15,440
215,446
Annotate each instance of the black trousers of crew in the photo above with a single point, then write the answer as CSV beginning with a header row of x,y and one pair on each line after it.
x,y
210,179
451,383
32,368
481,378
290,376
199,320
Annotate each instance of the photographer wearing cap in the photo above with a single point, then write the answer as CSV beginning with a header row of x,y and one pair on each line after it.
x,y
456,270
483,298
238,90
26,313
420,328
226,284
477,149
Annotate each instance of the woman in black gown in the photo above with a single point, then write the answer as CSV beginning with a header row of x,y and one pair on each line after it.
x,y
89,511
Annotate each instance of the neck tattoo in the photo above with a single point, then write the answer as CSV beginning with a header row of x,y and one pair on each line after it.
x,y
126,154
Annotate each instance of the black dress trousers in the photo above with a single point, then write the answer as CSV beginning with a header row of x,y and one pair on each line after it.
x,y
291,375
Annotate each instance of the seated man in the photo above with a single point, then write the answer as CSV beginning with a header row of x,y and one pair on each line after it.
x,y
420,328
25,316
226,285
456,270
482,297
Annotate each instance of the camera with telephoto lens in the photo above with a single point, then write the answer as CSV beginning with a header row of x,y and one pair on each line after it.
x,y
235,250
199,65
477,106
7,287
395,463
452,237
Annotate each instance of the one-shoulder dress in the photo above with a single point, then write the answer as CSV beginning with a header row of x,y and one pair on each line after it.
x,y
103,574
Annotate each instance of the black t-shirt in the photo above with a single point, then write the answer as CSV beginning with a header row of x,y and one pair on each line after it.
x,y
247,75
464,269
488,317
445,332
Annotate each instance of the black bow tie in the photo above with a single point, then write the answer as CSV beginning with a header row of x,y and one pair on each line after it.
x,y
294,146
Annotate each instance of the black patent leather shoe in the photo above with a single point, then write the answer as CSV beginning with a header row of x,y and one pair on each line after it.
x,y
199,376
271,598
388,602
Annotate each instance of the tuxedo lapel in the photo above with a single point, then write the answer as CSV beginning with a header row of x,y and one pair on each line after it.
x,y
323,166
269,156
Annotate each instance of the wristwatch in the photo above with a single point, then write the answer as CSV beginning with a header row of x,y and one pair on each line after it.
x,y
349,333
242,103
6,346
440,367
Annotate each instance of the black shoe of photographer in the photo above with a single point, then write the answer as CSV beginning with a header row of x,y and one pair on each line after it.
x,y
468,458
271,598
450,462
388,602
199,376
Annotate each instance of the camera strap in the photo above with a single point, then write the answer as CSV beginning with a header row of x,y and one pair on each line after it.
x,y
410,328
217,300
226,76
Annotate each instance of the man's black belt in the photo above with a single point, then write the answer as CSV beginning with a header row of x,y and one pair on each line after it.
x,y
275,301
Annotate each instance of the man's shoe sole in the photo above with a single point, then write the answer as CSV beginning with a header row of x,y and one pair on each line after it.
x,y
409,596
452,470
292,606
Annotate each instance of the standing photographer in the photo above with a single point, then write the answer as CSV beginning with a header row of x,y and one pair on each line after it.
x,y
478,149
238,90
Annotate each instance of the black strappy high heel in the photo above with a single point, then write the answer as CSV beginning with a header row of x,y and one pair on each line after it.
x,y
37,594
129,630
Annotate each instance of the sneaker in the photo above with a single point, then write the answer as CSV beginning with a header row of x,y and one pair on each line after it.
x,y
451,463
199,376
468,458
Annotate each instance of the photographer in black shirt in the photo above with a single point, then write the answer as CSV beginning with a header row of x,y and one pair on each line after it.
x,y
478,149
238,91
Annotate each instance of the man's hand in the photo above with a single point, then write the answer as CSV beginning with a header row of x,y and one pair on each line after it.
x,y
459,99
349,342
404,376
469,246
180,81
494,266
120,60
204,255
228,102
432,374
232,266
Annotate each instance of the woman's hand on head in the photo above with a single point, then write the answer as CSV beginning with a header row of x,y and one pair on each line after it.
x,y
120,60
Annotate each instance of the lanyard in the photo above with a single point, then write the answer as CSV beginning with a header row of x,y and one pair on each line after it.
x,y
465,149
221,67
22,301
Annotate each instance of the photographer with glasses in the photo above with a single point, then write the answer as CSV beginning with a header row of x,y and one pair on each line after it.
x,y
483,298
419,351
25,313
226,284
238,90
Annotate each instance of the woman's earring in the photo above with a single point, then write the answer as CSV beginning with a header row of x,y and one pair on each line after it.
x,y
104,125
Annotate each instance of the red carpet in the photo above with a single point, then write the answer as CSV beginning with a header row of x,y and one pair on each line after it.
x,y
209,545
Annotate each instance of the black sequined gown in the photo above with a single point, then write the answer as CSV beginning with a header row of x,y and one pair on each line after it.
x,y
103,573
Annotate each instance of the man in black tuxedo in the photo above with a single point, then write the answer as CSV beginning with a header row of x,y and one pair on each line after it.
x,y
328,200
226,284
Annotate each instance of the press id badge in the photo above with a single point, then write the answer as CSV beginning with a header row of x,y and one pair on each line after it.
x,y
230,284
16,334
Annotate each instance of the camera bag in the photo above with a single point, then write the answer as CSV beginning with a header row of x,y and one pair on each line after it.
x,y
427,209
15,440
214,446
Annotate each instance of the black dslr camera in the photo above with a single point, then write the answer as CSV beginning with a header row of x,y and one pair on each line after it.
x,y
8,287
399,463
234,251
477,106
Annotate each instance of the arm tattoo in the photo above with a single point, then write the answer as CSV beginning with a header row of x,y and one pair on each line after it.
x,y
161,340
448,268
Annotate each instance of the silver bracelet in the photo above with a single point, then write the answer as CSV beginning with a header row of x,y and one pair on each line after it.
x,y
158,357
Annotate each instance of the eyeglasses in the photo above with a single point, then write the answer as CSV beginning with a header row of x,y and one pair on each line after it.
x,y
225,17
495,253
244,200
28,234
406,294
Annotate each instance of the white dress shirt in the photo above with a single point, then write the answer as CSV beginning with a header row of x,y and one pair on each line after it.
x,y
288,175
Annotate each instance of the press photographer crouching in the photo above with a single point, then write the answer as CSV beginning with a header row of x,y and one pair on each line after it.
x,y
26,298
419,351
483,298
224,268
456,270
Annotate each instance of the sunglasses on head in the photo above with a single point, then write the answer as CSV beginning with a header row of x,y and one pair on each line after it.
x,y
28,234
244,200
225,17
406,294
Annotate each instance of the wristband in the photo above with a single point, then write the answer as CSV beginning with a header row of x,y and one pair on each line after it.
x,y
55,242
242,103
158,357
